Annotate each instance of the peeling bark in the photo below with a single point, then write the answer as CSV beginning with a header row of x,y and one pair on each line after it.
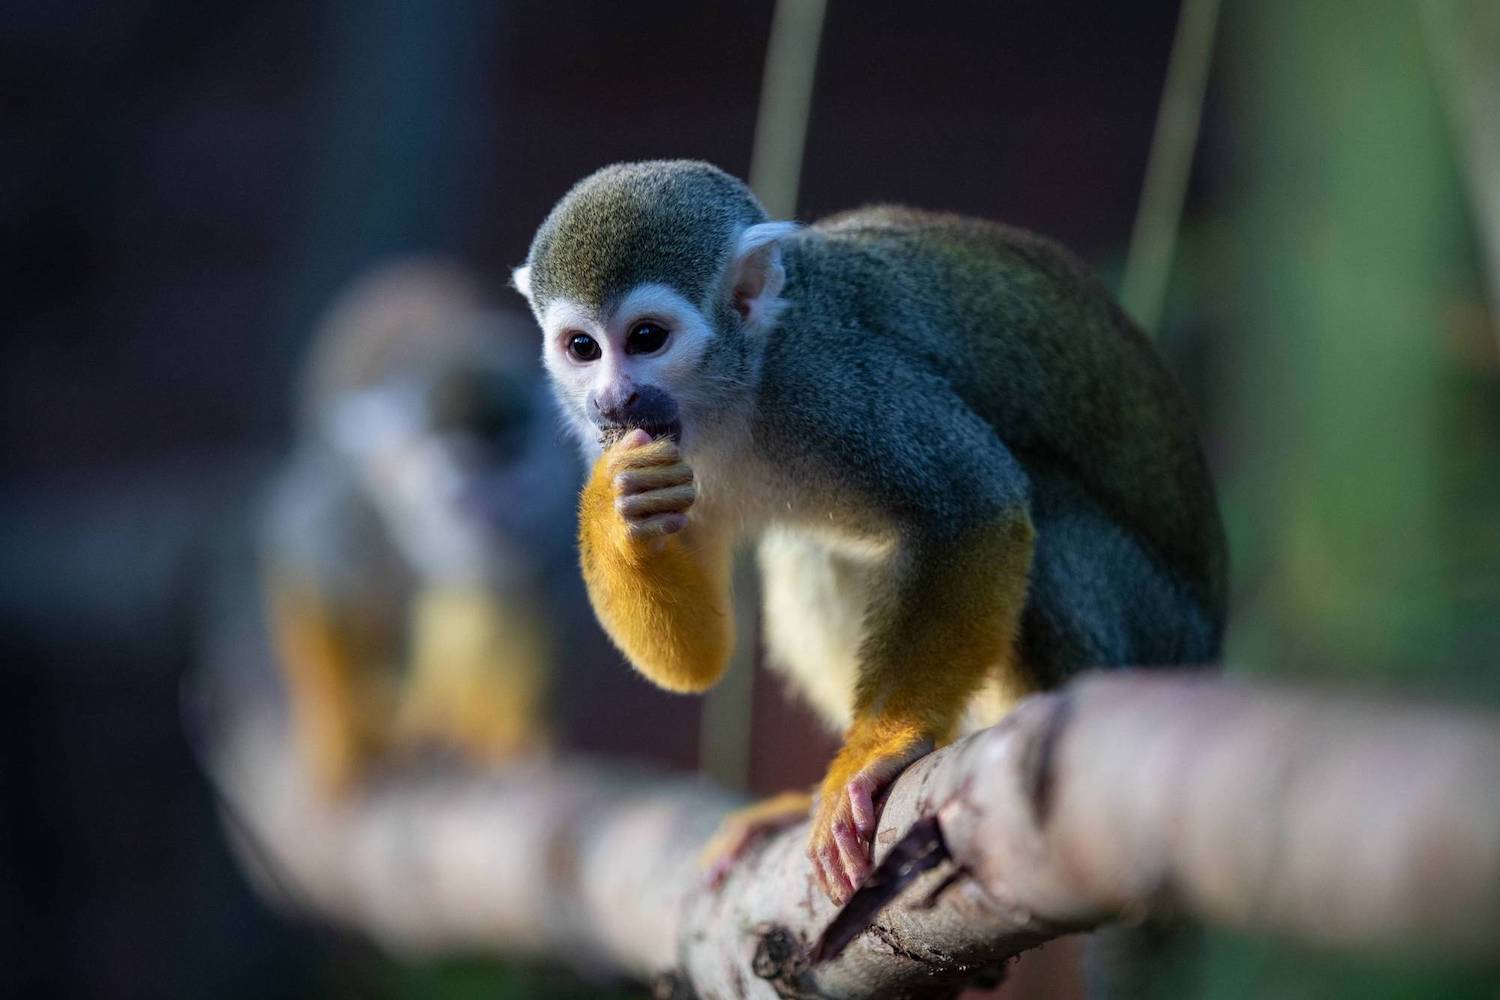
x,y
1332,819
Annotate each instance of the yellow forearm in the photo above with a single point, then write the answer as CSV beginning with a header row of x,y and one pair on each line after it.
x,y
664,601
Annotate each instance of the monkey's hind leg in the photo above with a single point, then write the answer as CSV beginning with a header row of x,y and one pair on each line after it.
x,y
338,704
941,626
814,610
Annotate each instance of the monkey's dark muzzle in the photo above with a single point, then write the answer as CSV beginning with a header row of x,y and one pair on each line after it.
x,y
645,407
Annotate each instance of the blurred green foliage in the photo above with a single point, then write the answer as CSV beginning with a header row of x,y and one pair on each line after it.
x,y
1355,254
487,979
1360,394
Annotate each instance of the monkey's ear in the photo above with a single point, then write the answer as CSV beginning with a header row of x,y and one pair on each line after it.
x,y
520,280
756,274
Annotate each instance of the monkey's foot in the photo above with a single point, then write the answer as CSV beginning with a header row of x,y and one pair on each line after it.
x,y
743,827
843,829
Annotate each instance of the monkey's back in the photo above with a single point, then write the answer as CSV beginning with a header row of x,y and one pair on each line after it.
x,y
1129,535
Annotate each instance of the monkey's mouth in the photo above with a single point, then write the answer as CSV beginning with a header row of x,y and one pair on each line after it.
x,y
670,429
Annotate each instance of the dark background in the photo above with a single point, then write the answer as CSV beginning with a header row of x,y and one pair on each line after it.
x,y
185,185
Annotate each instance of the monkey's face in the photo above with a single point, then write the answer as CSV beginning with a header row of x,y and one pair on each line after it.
x,y
462,463
653,361
653,283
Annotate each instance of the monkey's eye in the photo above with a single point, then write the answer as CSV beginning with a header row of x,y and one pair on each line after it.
x,y
645,337
582,347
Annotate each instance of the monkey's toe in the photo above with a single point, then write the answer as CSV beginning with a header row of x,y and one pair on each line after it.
x,y
862,789
843,859
743,827
853,860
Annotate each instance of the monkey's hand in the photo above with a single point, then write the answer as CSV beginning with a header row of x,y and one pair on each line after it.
x,y
875,753
743,827
659,586
650,486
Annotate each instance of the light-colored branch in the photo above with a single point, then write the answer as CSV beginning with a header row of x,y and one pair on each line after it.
x,y
1327,818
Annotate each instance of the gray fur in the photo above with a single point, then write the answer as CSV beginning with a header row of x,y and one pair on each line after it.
x,y
669,221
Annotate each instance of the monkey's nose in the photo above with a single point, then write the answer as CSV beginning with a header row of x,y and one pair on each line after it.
x,y
614,409
633,405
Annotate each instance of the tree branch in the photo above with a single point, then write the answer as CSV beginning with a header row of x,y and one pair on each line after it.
x,y
1330,819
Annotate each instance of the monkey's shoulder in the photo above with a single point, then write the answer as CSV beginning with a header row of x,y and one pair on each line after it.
x,y
966,271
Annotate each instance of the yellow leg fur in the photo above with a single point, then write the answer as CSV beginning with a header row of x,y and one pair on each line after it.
x,y
946,628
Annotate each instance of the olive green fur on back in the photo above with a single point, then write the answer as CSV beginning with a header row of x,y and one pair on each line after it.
x,y
1010,328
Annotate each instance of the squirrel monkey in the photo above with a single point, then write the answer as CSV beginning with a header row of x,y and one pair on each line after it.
x,y
403,543
968,474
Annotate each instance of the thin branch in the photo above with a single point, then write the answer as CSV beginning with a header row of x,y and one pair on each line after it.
x,y
1331,819
785,104
775,177
1148,263
1463,37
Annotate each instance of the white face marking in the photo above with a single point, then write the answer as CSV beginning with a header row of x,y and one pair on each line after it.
x,y
616,363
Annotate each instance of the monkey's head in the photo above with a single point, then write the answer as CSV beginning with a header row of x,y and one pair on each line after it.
x,y
432,398
653,283
460,456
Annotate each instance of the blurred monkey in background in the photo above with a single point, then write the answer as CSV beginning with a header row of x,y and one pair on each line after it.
x,y
404,545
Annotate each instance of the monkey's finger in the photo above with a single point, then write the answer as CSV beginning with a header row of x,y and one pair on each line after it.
x,y
861,792
662,451
854,857
672,499
825,865
656,526
839,889
848,841
653,478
